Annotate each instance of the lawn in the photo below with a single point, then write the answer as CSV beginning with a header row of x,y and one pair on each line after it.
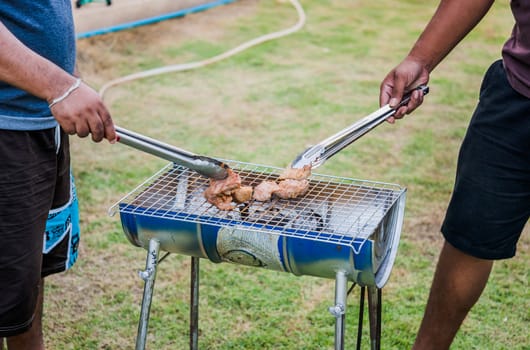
x,y
264,106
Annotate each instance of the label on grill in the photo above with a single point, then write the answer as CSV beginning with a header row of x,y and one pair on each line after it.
x,y
249,248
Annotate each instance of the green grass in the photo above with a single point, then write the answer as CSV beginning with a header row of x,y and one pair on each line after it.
x,y
265,106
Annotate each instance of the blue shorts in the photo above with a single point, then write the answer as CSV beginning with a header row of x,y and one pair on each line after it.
x,y
61,236
490,204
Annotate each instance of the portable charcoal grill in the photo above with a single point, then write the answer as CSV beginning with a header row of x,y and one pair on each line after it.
x,y
343,229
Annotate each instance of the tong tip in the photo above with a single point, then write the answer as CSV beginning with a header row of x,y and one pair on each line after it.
x,y
311,156
217,171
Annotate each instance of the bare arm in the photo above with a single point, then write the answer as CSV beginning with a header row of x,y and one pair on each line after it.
x,y
82,113
452,21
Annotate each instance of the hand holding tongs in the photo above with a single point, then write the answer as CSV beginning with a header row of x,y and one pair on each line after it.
x,y
206,166
316,155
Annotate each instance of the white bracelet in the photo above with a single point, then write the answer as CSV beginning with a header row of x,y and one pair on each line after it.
x,y
71,89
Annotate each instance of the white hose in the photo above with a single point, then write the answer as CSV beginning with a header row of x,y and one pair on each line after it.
x,y
197,64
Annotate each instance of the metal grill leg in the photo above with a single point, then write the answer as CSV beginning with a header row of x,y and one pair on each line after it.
x,y
361,318
148,275
194,304
374,307
339,309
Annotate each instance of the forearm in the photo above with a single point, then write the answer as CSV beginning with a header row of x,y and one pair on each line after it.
x,y
452,21
23,68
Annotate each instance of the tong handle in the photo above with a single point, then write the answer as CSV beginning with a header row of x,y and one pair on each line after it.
x,y
344,138
406,98
206,166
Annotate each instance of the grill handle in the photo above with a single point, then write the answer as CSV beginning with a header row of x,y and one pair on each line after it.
x,y
206,166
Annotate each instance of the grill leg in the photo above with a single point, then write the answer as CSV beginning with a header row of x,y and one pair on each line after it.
x,y
374,307
194,304
339,309
148,275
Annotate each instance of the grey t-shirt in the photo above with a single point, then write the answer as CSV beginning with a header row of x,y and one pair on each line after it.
x,y
516,51
46,27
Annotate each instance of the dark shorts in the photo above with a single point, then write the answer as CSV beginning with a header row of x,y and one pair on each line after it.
x,y
35,178
490,204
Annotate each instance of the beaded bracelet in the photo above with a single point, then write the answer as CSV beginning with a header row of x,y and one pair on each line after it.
x,y
71,89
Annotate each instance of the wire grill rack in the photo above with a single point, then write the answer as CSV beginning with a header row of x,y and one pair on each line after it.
x,y
335,209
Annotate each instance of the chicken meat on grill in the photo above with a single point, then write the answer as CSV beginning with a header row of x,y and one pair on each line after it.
x,y
243,194
296,173
220,192
291,184
290,189
263,192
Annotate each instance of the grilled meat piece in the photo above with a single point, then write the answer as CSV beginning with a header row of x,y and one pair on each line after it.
x,y
219,193
222,202
263,192
290,188
293,182
296,173
243,194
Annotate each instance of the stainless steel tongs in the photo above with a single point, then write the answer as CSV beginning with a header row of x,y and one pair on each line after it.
x,y
316,155
206,166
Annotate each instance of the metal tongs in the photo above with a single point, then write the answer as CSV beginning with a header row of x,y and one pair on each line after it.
x,y
316,155
206,166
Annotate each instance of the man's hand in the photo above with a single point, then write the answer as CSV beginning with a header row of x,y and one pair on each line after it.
x,y
405,77
82,113
450,23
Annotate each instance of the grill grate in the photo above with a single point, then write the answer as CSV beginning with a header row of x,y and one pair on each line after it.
x,y
335,209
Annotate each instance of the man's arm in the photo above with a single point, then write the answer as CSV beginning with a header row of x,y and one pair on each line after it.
x,y
451,22
81,113
23,68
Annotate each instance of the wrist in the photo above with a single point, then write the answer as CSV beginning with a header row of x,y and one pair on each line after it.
x,y
421,60
74,86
